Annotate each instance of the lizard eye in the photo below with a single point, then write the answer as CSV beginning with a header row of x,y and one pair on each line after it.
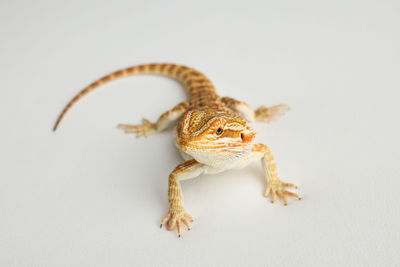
x,y
219,131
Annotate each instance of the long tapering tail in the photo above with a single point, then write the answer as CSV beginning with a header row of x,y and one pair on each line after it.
x,y
187,76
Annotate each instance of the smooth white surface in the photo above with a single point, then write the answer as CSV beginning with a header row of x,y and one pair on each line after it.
x,y
89,195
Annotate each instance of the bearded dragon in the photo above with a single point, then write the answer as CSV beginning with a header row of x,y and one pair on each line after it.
x,y
211,133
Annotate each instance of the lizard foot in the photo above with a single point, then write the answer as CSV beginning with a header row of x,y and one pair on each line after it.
x,y
277,188
144,129
175,217
266,114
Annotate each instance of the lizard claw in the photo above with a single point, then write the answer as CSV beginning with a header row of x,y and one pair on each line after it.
x,y
266,114
144,129
175,217
277,188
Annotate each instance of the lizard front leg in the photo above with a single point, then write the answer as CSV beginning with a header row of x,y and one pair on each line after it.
x,y
163,122
275,187
177,214
263,113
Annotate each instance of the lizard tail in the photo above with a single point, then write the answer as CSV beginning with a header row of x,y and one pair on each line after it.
x,y
183,74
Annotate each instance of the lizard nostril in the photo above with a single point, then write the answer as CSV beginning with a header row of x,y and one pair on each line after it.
x,y
247,137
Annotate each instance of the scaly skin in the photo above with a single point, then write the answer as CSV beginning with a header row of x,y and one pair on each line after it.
x,y
211,133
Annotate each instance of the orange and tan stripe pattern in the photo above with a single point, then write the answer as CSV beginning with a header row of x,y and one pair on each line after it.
x,y
200,89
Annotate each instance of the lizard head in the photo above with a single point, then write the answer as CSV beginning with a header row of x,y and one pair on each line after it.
x,y
211,136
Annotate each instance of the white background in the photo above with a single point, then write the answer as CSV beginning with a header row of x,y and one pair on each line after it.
x,y
89,195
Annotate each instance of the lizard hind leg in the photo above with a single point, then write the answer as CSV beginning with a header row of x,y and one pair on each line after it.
x,y
144,129
163,122
267,114
263,113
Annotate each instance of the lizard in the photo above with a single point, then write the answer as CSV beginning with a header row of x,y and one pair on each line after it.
x,y
211,133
